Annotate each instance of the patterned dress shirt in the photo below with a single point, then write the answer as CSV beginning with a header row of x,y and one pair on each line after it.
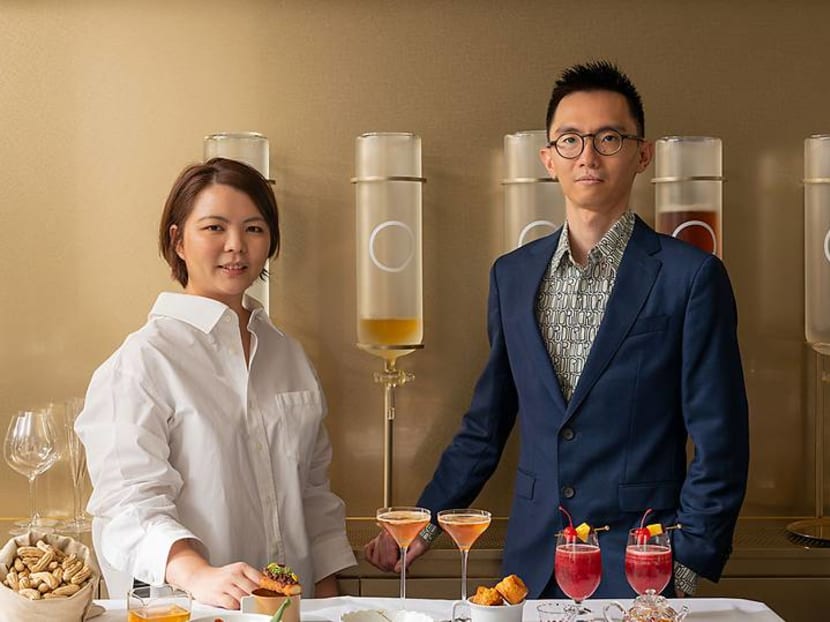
x,y
572,299
570,307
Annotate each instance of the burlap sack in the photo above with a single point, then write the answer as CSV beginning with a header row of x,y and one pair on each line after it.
x,y
17,608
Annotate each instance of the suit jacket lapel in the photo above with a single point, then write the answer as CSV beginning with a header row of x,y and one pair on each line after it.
x,y
635,278
527,289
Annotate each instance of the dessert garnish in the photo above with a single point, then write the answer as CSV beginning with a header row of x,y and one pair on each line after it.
x,y
644,532
582,531
280,579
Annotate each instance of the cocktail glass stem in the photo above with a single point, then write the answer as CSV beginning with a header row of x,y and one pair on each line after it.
x,y
403,577
33,515
464,553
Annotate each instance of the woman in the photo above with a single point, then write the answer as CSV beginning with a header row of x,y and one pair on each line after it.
x,y
204,431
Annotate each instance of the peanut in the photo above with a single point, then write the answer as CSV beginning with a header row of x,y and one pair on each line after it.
x,y
30,594
67,590
43,562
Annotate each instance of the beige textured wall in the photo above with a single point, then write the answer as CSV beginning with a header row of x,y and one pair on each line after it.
x,y
102,103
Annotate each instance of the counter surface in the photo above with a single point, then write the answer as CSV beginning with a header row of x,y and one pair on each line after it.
x,y
330,609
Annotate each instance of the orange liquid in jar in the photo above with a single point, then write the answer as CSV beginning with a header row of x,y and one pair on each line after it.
x,y
403,525
464,529
159,613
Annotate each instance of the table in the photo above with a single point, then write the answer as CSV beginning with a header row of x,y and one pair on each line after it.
x,y
330,609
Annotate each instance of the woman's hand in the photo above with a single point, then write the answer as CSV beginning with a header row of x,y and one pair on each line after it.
x,y
219,587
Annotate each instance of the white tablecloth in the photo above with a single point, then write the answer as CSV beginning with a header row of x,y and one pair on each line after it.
x,y
330,609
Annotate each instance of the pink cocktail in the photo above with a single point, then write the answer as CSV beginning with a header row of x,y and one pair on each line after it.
x,y
578,568
648,567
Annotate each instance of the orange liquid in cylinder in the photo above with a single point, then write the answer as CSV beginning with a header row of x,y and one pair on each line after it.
x,y
159,613
395,331
403,525
464,529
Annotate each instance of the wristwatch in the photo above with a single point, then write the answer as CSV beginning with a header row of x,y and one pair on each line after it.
x,y
430,533
685,579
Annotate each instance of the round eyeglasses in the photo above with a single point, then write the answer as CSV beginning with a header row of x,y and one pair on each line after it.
x,y
606,142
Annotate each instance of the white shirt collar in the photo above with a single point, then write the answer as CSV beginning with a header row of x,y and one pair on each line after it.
x,y
198,311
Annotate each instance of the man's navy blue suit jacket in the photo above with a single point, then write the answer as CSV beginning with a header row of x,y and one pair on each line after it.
x,y
664,365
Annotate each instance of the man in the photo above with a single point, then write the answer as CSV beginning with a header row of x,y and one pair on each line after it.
x,y
610,344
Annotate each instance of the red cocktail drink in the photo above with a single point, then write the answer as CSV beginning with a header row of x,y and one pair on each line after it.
x,y
648,567
578,569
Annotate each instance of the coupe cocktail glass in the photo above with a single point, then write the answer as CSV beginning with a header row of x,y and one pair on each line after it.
x,y
578,569
648,562
403,524
464,527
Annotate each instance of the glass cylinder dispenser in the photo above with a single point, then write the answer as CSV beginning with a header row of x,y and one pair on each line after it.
x,y
689,190
388,186
533,202
817,241
252,149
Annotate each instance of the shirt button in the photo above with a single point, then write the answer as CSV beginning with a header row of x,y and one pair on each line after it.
x,y
568,492
568,434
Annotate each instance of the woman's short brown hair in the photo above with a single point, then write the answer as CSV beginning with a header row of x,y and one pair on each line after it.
x,y
193,180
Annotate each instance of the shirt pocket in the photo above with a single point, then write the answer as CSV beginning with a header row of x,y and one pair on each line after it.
x,y
298,415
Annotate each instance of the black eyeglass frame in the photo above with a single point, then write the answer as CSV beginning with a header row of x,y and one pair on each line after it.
x,y
593,135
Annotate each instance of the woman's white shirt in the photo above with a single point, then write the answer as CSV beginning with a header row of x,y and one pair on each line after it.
x,y
184,440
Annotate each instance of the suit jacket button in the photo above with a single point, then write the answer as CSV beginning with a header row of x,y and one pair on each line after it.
x,y
568,492
568,434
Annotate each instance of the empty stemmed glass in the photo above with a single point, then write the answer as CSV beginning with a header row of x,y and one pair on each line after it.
x,y
578,569
31,448
403,524
464,527
76,455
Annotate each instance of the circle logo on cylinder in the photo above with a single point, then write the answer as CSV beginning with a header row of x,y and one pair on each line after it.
x,y
532,225
697,223
827,245
392,246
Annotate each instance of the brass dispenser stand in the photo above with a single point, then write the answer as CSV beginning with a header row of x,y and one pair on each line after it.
x,y
388,191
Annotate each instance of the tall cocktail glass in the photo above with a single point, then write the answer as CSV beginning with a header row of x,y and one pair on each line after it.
x,y
648,562
464,527
578,569
403,523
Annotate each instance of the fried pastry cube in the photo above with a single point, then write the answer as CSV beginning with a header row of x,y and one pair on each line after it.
x,y
486,596
513,589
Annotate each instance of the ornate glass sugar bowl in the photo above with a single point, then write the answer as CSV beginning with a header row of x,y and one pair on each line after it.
x,y
646,608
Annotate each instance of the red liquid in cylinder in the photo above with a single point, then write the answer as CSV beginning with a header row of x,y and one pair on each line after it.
x,y
698,227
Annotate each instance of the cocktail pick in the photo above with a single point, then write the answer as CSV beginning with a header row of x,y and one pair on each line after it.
x,y
278,613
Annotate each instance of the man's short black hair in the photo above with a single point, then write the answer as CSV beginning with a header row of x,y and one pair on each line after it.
x,y
599,75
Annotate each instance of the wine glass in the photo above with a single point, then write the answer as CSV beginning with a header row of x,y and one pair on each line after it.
x,y
578,569
648,562
80,521
464,527
403,524
31,448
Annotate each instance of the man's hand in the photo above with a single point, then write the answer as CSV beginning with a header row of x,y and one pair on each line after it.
x,y
326,588
384,553
219,587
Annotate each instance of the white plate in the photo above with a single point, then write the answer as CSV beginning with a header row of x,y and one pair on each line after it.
x,y
376,615
233,616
